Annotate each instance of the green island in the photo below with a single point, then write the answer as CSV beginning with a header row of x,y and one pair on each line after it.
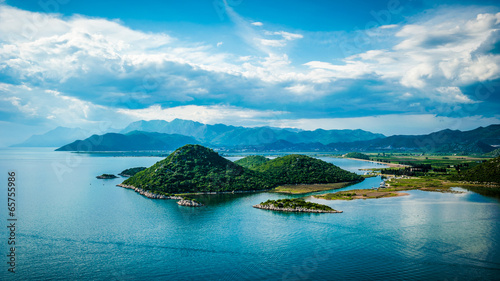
x,y
107,176
357,155
302,169
132,171
295,205
194,169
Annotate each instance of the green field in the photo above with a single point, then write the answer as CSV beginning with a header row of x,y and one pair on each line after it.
x,y
433,165
307,188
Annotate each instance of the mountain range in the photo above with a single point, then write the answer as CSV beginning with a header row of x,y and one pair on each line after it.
x,y
478,141
132,141
55,138
163,135
224,135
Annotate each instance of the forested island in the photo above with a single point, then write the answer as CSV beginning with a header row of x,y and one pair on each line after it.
x,y
295,205
194,169
357,155
107,176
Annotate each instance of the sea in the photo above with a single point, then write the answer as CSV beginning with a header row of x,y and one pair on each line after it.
x,y
68,225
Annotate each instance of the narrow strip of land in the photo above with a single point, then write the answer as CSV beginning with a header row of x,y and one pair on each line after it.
x,y
308,188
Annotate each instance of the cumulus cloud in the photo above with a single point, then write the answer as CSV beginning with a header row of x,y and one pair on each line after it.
x,y
204,114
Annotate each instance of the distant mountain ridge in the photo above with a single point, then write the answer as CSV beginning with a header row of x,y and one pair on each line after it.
x,y
133,141
54,138
261,139
480,140
226,135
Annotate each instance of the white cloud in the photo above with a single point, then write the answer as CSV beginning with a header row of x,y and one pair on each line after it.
x,y
272,43
301,89
204,114
452,95
288,36
388,26
451,49
257,23
26,108
42,105
79,69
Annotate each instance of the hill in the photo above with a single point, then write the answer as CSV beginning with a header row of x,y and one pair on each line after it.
x,y
133,141
488,171
54,138
251,161
301,169
494,153
194,168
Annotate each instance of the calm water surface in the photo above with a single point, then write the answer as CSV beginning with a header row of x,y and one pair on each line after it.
x,y
72,226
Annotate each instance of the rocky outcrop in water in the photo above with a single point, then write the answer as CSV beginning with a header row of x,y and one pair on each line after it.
x,y
189,203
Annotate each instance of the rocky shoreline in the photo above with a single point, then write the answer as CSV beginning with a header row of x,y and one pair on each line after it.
x,y
148,194
299,209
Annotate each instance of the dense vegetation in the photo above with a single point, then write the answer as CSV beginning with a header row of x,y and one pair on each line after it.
x,y
486,172
295,204
132,171
301,169
252,161
194,168
357,155
106,176
494,153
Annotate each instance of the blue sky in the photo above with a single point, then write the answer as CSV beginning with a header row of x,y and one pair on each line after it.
x,y
391,67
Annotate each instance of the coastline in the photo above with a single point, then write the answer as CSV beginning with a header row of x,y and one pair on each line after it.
x,y
148,194
151,195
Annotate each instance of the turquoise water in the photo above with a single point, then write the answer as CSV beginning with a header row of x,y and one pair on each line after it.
x,y
72,226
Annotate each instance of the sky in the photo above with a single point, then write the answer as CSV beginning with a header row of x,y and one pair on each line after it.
x,y
391,67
